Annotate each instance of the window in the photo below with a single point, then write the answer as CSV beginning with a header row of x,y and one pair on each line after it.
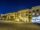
x,y
4,17
37,10
33,10
11,17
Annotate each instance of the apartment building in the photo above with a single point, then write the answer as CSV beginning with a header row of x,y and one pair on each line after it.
x,y
20,16
36,14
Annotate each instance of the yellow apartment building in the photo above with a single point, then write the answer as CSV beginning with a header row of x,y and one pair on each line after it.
x,y
20,16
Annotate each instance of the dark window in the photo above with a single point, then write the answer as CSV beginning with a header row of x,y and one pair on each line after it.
x,y
4,17
37,10
33,10
29,11
12,17
26,14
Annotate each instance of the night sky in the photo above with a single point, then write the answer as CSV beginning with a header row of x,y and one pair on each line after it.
x,y
7,6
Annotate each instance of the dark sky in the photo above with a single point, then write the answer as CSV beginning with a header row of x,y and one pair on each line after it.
x,y
7,6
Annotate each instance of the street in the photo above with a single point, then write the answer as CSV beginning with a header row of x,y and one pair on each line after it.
x,y
16,26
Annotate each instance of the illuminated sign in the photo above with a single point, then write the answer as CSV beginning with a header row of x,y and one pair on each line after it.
x,y
36,19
